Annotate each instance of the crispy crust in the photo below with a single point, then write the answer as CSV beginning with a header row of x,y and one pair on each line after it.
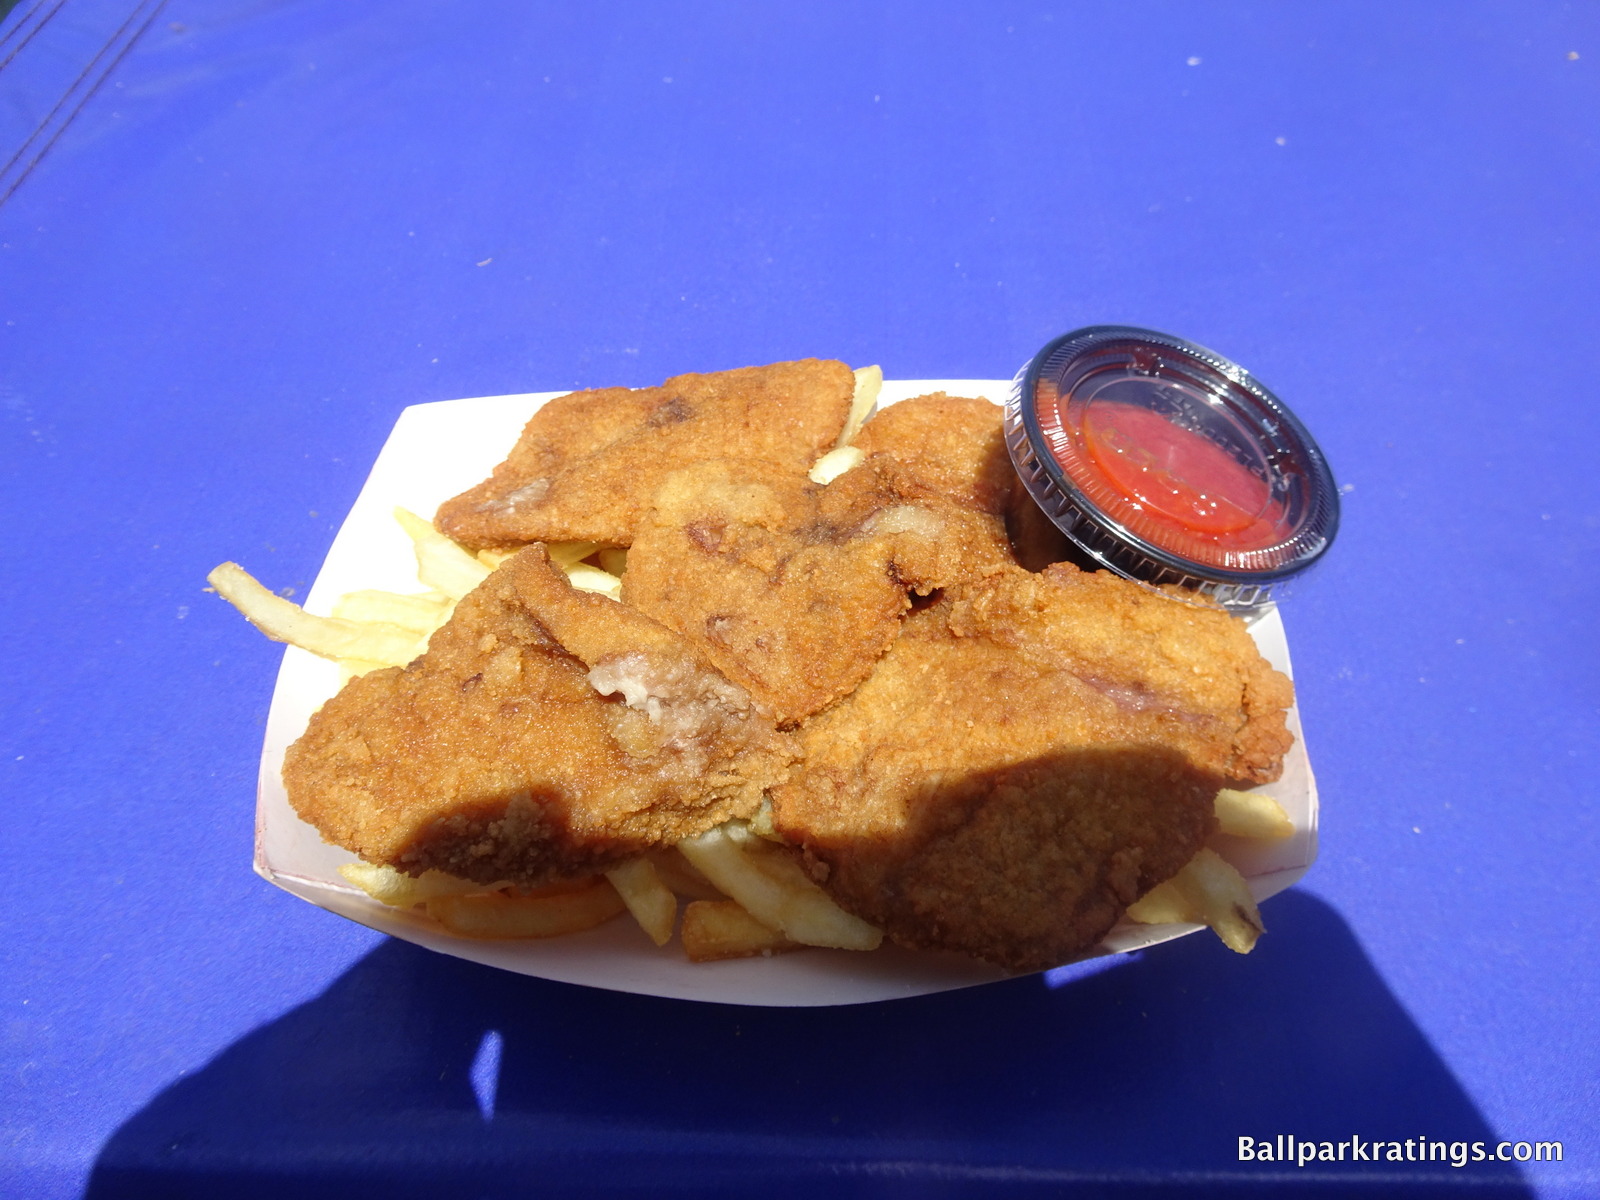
x,y
587,464
955,447
495,755
792,589
951,446
1032,754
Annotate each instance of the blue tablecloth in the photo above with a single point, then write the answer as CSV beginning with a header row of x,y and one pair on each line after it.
x,y
241,235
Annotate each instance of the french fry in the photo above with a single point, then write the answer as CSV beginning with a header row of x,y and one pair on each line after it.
x,y
441,564
592,579
776,891
835,463
1168,903
568,554
647,898
399,890
421,613
331,637
614,559
548,913
680,876
1252,815
1208,891
717,929
869,382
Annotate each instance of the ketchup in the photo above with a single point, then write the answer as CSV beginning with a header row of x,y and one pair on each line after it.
x,y
1163,461
1169,480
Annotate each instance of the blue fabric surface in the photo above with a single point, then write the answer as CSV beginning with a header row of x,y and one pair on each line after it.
x,y
277,223
54,56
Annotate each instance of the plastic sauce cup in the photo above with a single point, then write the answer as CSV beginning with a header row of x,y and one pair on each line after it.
x,y
1167,463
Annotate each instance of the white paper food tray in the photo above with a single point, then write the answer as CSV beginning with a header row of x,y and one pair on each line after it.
x,y
439,450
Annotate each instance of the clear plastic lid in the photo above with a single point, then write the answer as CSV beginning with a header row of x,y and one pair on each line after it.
x,y
1170,464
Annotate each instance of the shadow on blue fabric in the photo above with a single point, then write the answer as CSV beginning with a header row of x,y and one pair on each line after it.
x,y
418,1075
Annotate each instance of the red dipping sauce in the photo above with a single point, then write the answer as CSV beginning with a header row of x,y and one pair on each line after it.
x,y
1168,463
1156,475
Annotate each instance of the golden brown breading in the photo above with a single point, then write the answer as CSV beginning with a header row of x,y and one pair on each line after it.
x,y
952,446
1172,664
546,734
955,447
790,588
965,543
1031,755
587,464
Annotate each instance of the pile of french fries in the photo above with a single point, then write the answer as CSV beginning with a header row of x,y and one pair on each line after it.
x,y
745,893
746,896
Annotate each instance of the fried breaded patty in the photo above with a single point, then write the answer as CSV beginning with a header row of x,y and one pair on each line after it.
x,y
954,446
951,446
546,734
1033,753
794,589
587,464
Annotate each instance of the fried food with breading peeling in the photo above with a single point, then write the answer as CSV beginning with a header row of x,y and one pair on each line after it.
x,y
941,535
956,447
951,448
1033,753
546,734
587,464
791,588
